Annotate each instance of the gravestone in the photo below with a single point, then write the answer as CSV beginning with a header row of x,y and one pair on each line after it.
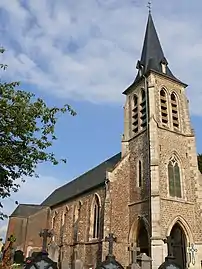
x,y
19,257
41,259
41,262
144,261
78,264
110,262
133,250
169,260
53,251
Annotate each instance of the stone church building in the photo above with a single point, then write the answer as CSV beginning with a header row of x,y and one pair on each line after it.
x,y
148,191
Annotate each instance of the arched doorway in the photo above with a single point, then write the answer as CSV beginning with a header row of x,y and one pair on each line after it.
x,y
143,238
179,245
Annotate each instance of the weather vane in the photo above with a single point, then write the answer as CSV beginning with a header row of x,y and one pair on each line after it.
x,y
149,6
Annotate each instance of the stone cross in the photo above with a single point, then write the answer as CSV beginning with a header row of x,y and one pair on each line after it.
x,y
45,234
192,251
133,249
170,242
110,239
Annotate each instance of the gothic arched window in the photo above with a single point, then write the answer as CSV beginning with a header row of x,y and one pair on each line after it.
x,y
95,218
174,110
139,173
174,179
76,223
164,107
135,114
143,109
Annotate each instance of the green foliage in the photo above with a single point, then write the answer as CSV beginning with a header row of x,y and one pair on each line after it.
x,y
27,132
200,162
17,266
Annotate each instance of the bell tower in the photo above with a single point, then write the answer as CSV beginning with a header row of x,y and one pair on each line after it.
x,y
165,181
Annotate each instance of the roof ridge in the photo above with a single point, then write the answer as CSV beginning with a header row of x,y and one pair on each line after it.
x,y
91,169
85,182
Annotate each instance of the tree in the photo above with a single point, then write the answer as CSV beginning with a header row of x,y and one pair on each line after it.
x,y
27,132
200,162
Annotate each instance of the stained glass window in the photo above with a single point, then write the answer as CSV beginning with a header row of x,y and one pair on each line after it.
x,y
174,179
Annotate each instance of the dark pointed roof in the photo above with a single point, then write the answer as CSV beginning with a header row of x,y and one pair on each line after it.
x,y
152,55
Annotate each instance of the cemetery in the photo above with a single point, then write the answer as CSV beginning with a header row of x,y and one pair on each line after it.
x,y
15,259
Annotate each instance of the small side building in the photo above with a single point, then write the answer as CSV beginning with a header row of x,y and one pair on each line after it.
x,y
25,224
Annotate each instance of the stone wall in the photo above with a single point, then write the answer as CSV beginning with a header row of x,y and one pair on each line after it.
x,y
86,248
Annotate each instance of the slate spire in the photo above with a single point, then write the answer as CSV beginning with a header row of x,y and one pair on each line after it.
x,y
152,57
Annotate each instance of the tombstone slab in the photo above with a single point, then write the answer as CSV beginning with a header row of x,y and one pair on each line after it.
x,y
41,262
53,251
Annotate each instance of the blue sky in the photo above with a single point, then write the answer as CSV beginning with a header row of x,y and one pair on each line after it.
x,y
84,53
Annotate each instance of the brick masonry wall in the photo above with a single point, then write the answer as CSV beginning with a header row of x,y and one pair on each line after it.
x,y
36,223
17,227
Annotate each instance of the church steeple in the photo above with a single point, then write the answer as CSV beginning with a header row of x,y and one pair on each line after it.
x,y
152,58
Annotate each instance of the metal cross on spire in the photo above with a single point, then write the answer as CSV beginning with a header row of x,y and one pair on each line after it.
x,y
149,6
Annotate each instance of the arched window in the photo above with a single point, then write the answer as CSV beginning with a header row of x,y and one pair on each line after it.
x,y
174,110
135,114
164,107
174,179
95,218
76,223
143,109
139,173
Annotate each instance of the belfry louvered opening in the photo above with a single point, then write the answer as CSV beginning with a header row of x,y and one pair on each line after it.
x,y
143,109
174,111
135,114
164,107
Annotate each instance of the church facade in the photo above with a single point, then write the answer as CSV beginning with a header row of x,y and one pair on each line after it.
x,y
151,190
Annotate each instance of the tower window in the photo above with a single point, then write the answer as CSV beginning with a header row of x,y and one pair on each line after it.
x,y
174,179
135,114
139,174
164,107
174,111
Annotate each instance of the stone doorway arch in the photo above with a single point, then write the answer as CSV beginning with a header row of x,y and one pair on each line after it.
x,y
179,244
139,234
143,238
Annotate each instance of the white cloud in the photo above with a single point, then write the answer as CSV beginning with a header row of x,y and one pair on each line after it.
x,y
33,191
88,50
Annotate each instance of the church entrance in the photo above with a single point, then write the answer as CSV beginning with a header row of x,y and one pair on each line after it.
x,y
179,245
143,239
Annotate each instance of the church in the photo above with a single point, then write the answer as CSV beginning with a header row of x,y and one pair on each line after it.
x,y
150,190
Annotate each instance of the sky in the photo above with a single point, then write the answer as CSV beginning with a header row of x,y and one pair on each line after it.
x,y
84,53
